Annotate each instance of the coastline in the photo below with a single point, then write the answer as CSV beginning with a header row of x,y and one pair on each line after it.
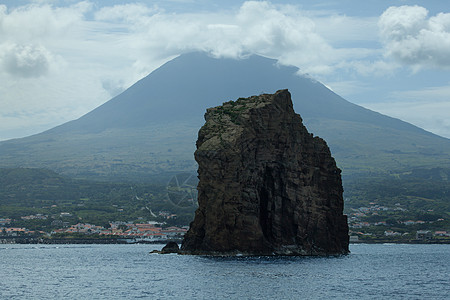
x,y
47,241
421,242
41,240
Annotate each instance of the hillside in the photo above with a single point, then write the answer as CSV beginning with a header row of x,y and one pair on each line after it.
x,y
39,199
148,132
25,191
427,190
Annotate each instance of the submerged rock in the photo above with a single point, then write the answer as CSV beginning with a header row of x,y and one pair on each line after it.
x,y
267,186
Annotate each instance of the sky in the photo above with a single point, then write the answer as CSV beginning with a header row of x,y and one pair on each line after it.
x,y
61,59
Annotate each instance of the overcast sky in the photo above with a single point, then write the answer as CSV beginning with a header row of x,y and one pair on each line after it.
x,y
61,59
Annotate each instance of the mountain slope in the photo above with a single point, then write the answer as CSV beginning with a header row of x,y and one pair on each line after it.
x,y
184,87
150,129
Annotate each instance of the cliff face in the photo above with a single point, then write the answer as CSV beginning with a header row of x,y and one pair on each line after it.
x,y
267,186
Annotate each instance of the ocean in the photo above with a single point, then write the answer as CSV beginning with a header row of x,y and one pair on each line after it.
x,y
380,271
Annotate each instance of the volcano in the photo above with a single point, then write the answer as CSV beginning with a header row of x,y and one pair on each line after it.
x,y
148,132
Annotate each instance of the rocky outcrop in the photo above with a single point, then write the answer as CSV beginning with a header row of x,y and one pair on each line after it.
x,y
170,247
267,186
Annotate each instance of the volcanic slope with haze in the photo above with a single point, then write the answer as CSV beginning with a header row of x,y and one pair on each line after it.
x,y
149,130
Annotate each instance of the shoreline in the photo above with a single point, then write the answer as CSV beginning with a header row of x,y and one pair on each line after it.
x,y
59,241
418,242
40,240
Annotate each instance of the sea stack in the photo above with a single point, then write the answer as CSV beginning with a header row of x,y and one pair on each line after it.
x,y
267,186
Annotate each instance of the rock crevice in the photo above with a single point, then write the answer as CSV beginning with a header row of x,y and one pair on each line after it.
x,y
267,186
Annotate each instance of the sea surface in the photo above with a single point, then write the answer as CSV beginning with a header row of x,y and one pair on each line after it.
x,y
388,271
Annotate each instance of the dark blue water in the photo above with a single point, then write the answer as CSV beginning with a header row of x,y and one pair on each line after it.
x,y
129,272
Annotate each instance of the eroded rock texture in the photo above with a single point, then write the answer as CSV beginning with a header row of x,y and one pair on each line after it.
x,y
267,186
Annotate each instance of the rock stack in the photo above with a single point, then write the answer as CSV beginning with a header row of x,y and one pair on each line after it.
x,y
267,186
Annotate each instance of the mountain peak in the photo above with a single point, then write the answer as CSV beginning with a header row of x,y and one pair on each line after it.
x,y
151,127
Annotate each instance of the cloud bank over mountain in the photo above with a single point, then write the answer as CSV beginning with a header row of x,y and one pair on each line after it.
x,y
64,59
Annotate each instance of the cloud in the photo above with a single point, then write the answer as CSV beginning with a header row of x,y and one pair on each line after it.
x,y
430,115
25,60
71,57
427,108
378,68
435,94
32,34
256,27
413,38
124,12
349,88
40,22
283,34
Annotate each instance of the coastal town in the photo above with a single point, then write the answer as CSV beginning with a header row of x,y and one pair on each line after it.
x,y
384,223
374,223
125,232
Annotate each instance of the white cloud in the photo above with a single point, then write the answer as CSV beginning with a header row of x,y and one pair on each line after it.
x,y
430,115
286,35
54,64
40,22
435,94
281,32
366,67
66,60
32,37
413,38
349,88
427,108
128,13
25,60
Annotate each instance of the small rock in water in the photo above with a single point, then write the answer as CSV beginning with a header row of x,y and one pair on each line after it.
x,y
171,247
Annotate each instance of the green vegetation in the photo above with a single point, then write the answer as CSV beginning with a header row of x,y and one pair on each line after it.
x,y
353,146
233,109
25,192
155,153
421,190
150,154
150,130
396,206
